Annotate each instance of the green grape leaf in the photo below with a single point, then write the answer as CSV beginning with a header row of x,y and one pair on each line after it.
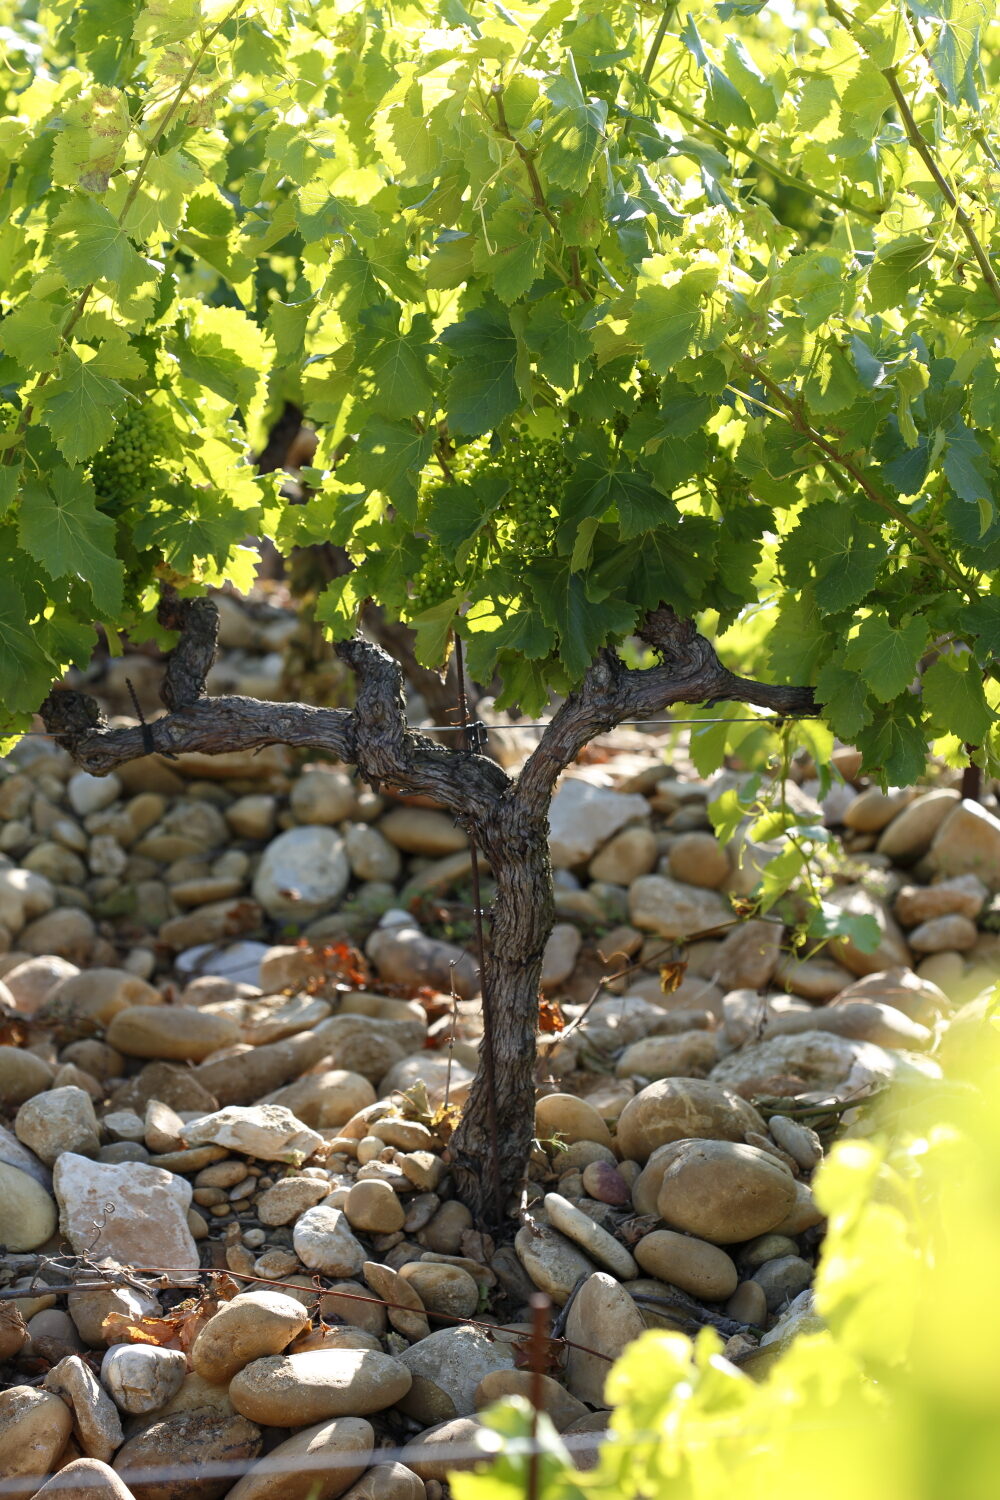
x,y
895,270
756,91
388,456
397,365
667,319
511,251
827,922
674,565
338,606
954,48
727,812
953,696
844,695
969,470
584,627
981,620
483,388
895,744
26,672
61,528
574,134
93,133
887,655
432,628
80,406
779,873
32,333
219,347
523,633
89,245
726,104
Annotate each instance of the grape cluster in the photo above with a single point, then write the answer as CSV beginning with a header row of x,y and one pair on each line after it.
x,y
434,583
539,471
126,468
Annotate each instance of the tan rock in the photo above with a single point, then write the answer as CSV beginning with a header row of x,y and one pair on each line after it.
x,y
283,1203
66,931
327,1099
952,933
725,1192
60,1120
672,910
892,948
600,1246
559,1404
97,1426
247,1327
23,1074
908,836
674,1109
149,1225
387,1482
815,979
374,1208
627,855
691,1054
874,810
197,1438
692,1264
442,1288
34,1427
95,996
318,1463
296,1390
698,859
30,981
968,843
339,1302
965,895
85,1479
553,1262
445,1447
171,1033
447,1368
142,1377
422,830
796,1064
604,1318
571,1118
913,994
323,1241
409,1316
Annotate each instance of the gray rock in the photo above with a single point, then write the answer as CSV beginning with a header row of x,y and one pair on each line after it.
x,y
447,1367
142,1377
582,817
303,873
672,910
57,1121
323,1242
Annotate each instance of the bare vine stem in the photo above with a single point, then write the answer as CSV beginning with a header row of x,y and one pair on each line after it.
x,y
669,10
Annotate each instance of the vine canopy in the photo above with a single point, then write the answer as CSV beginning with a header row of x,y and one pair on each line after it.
x,y
593,308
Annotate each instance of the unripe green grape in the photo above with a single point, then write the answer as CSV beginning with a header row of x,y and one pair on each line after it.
x,y
434,583
143,444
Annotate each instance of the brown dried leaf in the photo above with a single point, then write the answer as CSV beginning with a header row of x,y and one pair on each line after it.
x,y
550,1016
672,975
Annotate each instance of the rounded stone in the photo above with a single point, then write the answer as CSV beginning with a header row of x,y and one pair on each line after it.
x,y
699,859
34,1426
248,1327
295,1390
34,980
303,873
603,1318
691,1054
442,1288
627,855
373,1207
86,1479
559,1404
23,1074
597,1243
422,830
198,1438
571,1118
29,1214
318,1463
674,1109
142,1377
783,1279
445,1447
447,1368
553,1262
694,1265
725,1192
170,1033
323,797
748,1304
323,1242
605,1184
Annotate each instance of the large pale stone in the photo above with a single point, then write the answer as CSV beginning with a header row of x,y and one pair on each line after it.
x,y
170,1033
674,1109
303,873
292,1390
630,853
604,1318
34,1426
148,1225
403,954
672,910
267,1131
96,1424
422,830
447,1368
747,956
324,1242
909,834
317,1463
796,1064
582,817
23,1074
553,1262
968,843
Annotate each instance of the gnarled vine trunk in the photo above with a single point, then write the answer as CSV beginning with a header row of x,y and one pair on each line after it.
x,y
507,817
